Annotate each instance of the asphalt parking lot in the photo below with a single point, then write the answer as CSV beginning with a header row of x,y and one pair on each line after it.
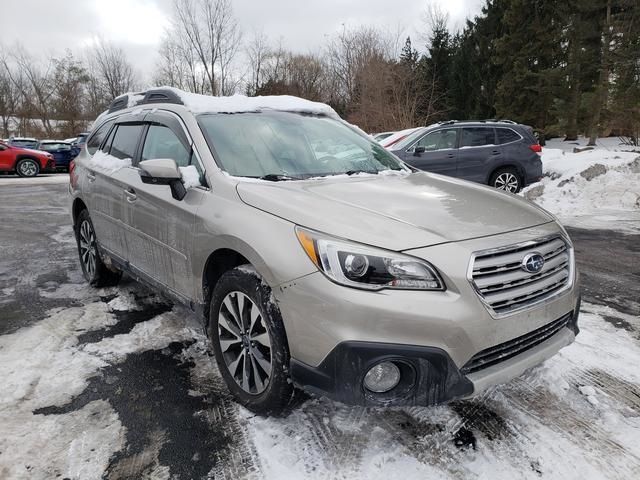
x,y
118,383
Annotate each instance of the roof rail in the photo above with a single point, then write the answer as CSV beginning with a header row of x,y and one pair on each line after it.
x,y
154,95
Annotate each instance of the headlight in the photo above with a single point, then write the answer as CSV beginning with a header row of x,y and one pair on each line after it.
x,y
370,268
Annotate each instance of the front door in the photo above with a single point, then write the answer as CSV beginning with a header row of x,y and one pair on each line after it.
x,y
435,152
161,225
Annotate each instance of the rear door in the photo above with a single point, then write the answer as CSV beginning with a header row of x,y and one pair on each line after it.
x,y
103,193
478,152
159,225
435,152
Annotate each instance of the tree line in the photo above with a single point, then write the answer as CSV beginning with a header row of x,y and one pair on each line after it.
x,y
565,68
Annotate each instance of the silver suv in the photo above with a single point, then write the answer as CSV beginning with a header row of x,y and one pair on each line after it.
x,y
316,258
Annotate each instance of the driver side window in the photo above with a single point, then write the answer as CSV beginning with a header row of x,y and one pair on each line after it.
x,y
440,140
161,142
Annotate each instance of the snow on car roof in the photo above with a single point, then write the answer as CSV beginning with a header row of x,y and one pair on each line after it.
x,y
237,103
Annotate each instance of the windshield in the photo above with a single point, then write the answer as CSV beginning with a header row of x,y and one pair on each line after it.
x,y
291,145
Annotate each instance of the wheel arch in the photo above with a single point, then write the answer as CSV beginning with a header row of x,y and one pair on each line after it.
x,y
229,254
77,207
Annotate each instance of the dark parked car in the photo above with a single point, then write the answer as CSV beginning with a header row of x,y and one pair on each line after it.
x,y
62,152
502,154
23,142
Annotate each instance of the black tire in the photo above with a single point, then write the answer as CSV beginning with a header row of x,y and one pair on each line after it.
x,y
27,167
94,271
278,392
507,179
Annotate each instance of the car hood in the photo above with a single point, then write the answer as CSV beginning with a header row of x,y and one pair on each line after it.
x,y
396,212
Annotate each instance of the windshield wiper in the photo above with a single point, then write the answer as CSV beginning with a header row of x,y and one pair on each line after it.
x,y
353,172
278,177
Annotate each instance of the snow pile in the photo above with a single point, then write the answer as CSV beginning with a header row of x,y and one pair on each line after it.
x,y
190,176
588,184
106,163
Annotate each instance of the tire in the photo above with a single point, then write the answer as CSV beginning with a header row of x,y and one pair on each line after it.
x,y
507,179
27,167
255,339
93,268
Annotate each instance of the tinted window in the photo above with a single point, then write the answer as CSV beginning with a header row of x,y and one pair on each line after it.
x,y
96,139
161,142
440,140
506,135
477,136
125,141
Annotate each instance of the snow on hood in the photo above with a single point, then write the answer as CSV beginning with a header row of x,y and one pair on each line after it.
x,y
590,188
397,212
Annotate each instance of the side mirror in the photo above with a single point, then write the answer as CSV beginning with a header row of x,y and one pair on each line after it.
x,y
418,150
163,171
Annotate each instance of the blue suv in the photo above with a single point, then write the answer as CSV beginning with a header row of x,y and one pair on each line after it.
x,y
502,154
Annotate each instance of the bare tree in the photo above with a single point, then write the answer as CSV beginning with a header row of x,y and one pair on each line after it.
x,y
209,33
258,53
112,73
9,95
34,83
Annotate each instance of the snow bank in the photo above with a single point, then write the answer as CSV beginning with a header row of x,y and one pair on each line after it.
x,y
598,185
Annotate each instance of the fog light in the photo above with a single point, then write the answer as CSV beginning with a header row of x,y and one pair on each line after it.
x,y
382,378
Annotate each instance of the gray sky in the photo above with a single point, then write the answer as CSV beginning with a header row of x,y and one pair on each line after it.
x,y
48,27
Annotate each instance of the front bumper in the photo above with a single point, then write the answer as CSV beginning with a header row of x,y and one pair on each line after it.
x,y
429,376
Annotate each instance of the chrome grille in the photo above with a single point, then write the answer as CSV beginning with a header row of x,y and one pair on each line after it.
x,y
505,286
505,351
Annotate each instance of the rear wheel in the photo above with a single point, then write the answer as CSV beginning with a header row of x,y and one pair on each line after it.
x,y
249,341
27,167
93,268
506,179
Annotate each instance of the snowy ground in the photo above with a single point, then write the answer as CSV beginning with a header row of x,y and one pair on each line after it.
x,y
597,188
116,383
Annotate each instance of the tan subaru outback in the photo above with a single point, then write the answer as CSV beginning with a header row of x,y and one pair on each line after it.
x,y
316,258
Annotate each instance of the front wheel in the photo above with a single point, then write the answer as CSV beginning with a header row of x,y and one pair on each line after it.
x,y
249,341
27,167
93,268
506,179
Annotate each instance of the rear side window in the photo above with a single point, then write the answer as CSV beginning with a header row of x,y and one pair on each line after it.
x,y
98,136
477,136
125,141
506,135
161,142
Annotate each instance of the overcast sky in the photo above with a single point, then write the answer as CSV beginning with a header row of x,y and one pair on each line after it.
x,y
48,27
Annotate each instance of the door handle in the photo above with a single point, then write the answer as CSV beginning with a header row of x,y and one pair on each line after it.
x,y
91,177
131,195
495,152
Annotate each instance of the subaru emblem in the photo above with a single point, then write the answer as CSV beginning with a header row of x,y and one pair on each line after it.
x,y
532,262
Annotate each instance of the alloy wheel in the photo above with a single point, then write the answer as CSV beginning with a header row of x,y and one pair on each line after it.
x,y
506,181
28,169
88,251
245,342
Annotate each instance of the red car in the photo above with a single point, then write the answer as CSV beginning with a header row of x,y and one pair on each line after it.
x,y
24,161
